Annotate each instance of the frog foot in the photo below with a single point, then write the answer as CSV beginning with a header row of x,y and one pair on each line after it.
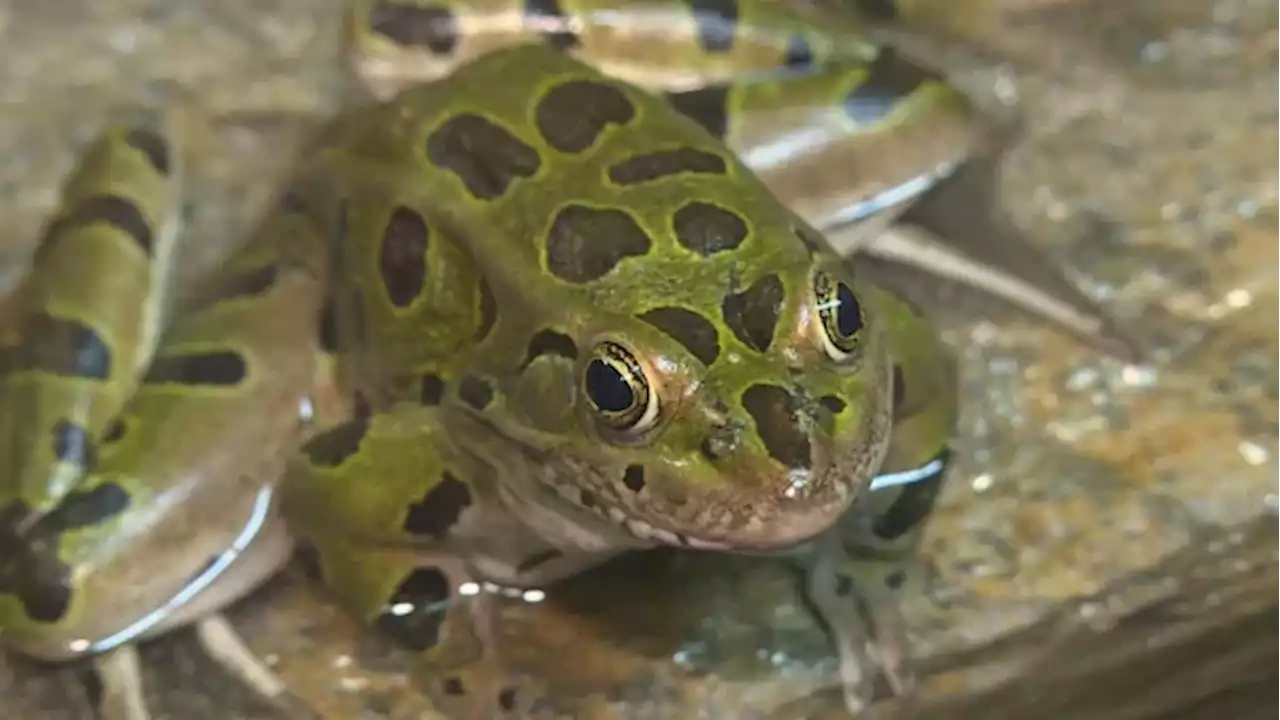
x,y
470,678
868,631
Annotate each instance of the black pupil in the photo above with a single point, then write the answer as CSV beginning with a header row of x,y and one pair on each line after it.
x,y
609,390
848,314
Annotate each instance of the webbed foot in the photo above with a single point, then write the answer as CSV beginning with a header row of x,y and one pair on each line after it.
x,y
867,628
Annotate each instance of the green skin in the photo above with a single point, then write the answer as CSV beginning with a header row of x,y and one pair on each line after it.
x,y
570,320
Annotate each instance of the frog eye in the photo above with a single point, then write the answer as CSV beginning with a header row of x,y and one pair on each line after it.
x,y
839,314
619,392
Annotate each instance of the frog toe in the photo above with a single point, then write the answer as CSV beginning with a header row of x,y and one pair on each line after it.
x,y
225,646
120,695
485,689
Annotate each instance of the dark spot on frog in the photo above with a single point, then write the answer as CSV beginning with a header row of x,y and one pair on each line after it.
x,y
895,580
63,347
688,328
507,699
402,259
83,509
585,243
29,564
73,445
799,53
877,9
572,116
665,163
550,342
433,27
414,613
833,404
915,500
361,408
117,212
327,327
552,23
899,391
844,585
587,499
475,391
708,229
453,686
307,561
485,157
890,79
776,413
431,391
114,432
439,508
488,310
150,143
223,368
717,20
753,314
633,478
709,107
332,447
537,559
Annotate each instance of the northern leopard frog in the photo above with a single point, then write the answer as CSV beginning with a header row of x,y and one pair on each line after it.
x,y
569,318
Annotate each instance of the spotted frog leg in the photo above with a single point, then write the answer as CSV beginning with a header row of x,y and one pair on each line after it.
x,y
428,579
154,505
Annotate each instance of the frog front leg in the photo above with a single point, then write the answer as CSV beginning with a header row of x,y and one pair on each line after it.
x,y
402,521
855,581
857,568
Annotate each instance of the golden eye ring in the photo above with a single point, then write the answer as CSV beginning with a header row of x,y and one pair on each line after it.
x,y
619,392
840,316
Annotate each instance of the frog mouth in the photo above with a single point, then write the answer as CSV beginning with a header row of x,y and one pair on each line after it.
x,y
781,511
745,530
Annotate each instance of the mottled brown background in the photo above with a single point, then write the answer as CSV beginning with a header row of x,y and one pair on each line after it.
x,y
1107,547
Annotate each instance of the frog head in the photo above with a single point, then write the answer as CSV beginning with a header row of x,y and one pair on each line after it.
x,y
754,424
727,404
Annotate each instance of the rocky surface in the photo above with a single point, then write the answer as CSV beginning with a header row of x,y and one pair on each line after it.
x,y
1102,521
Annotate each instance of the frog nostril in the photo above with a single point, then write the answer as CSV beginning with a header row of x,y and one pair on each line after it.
x,y
720,443
834,404
714,448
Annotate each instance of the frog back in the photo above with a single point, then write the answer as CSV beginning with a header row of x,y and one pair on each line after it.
x,y
492,213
